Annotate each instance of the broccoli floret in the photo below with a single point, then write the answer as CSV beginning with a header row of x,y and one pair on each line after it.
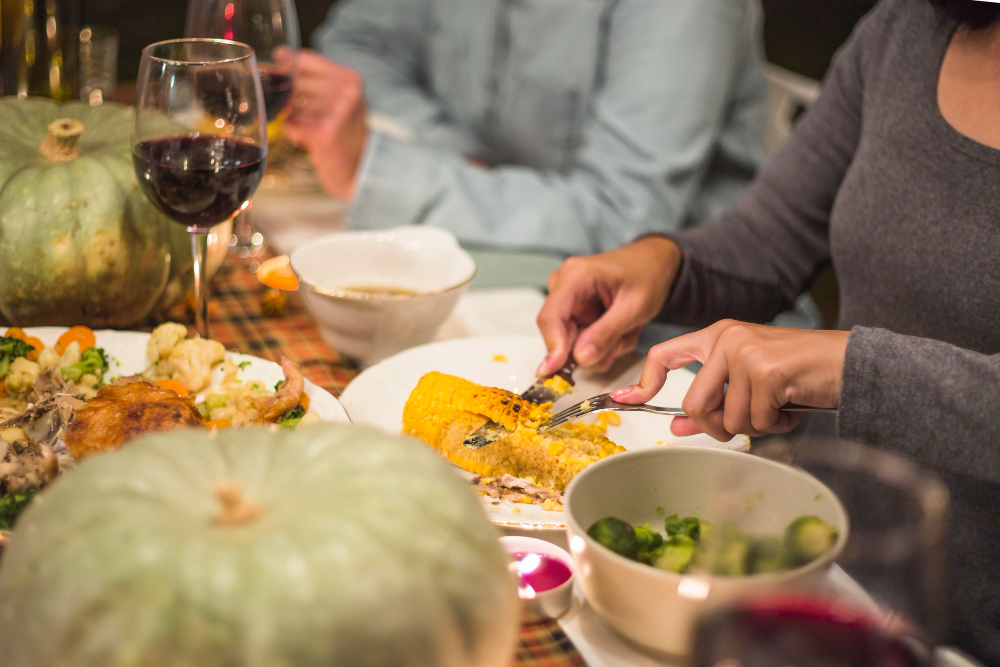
x,y
292,418
616,535
689,526
10,349
675,554
92,362
767,555
807,538
244,365
12,505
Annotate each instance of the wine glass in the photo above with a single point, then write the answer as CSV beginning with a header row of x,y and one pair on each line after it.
x,y
271,27
881,605
199,138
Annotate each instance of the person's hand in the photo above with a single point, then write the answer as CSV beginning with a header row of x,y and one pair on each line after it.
x,y
766,367
597,305
328,119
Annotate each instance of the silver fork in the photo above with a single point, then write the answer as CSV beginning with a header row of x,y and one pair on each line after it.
x,y
603,402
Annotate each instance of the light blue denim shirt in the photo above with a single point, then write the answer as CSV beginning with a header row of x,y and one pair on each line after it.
x,y
602,119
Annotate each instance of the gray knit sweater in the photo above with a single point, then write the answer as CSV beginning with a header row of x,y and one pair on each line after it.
x,y
908,209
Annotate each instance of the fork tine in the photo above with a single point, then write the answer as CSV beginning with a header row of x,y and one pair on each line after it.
x,y
592,404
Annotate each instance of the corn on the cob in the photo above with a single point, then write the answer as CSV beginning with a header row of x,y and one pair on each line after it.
x,y
443,410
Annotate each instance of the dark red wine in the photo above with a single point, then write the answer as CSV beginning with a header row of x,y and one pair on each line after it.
x,y
198,181
277,89
786,630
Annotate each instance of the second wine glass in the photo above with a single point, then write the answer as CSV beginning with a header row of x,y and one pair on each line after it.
x,y
199,138
271,28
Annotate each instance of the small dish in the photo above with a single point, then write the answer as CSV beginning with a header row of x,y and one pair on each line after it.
x,y
374,293
541,605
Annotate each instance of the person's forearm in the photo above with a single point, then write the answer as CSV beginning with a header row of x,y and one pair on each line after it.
x,y
578,213
932,401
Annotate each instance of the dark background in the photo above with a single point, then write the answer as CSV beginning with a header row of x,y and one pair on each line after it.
x,y
801,35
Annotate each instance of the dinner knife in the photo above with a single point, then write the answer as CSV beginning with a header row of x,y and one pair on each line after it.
x,y
538,392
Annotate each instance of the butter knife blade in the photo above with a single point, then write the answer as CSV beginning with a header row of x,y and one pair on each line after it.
x,y
538,392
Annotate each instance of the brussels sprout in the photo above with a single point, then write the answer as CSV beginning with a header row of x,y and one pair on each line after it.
x,y
767,555
649,541
675,554
616,535
807,538
688,526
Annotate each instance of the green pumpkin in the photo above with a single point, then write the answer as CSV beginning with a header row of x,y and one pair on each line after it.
x,y
79,242
328,545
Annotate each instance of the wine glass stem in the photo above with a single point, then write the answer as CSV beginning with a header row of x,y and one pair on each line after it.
x,y
199,246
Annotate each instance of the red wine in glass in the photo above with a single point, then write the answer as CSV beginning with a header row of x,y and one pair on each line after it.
x,y
277,88
198,180
796,629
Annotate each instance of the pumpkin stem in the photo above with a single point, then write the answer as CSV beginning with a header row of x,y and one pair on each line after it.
x,y
62,143
237,509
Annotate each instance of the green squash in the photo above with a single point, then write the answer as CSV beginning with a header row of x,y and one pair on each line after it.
x,y
328,545
79,242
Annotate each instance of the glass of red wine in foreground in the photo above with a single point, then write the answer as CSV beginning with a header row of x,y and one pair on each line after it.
x,y
199,138
881,605
271,27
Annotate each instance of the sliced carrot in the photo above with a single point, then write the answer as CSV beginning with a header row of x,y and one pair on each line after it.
x,y
35,343
218,423
81,334
16,332
304,401
277,273
172,385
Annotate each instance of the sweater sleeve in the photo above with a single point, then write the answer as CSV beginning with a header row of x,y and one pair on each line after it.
x,y
897,389
752,263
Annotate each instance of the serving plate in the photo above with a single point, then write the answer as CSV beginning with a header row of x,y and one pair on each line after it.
x,y
376,398
126,351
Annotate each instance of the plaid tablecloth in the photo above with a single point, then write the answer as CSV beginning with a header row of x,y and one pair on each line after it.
x,y
237,320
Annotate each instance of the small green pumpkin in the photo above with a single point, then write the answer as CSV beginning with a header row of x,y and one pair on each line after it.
x,y
79,242
328,545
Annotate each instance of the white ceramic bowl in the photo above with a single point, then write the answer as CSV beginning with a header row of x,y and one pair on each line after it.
x,y
368,327
657,609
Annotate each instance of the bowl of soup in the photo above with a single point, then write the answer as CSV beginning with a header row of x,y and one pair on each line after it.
x,y
375,293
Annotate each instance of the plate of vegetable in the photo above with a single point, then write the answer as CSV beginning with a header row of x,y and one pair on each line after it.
x,y
66,394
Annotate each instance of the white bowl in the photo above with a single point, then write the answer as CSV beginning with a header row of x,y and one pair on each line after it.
x,y
658,609
370,327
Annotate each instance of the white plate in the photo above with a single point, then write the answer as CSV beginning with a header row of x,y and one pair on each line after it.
x,y
126,352
376,397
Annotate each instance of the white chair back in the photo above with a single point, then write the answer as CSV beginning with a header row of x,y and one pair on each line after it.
x,y
788,95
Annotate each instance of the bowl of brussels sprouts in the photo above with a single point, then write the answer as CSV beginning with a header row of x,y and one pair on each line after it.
x,y
660,536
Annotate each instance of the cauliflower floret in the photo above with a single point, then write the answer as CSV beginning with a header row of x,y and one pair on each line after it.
x,y
163,340
190,362
48,358
70,356
310,417
21,377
